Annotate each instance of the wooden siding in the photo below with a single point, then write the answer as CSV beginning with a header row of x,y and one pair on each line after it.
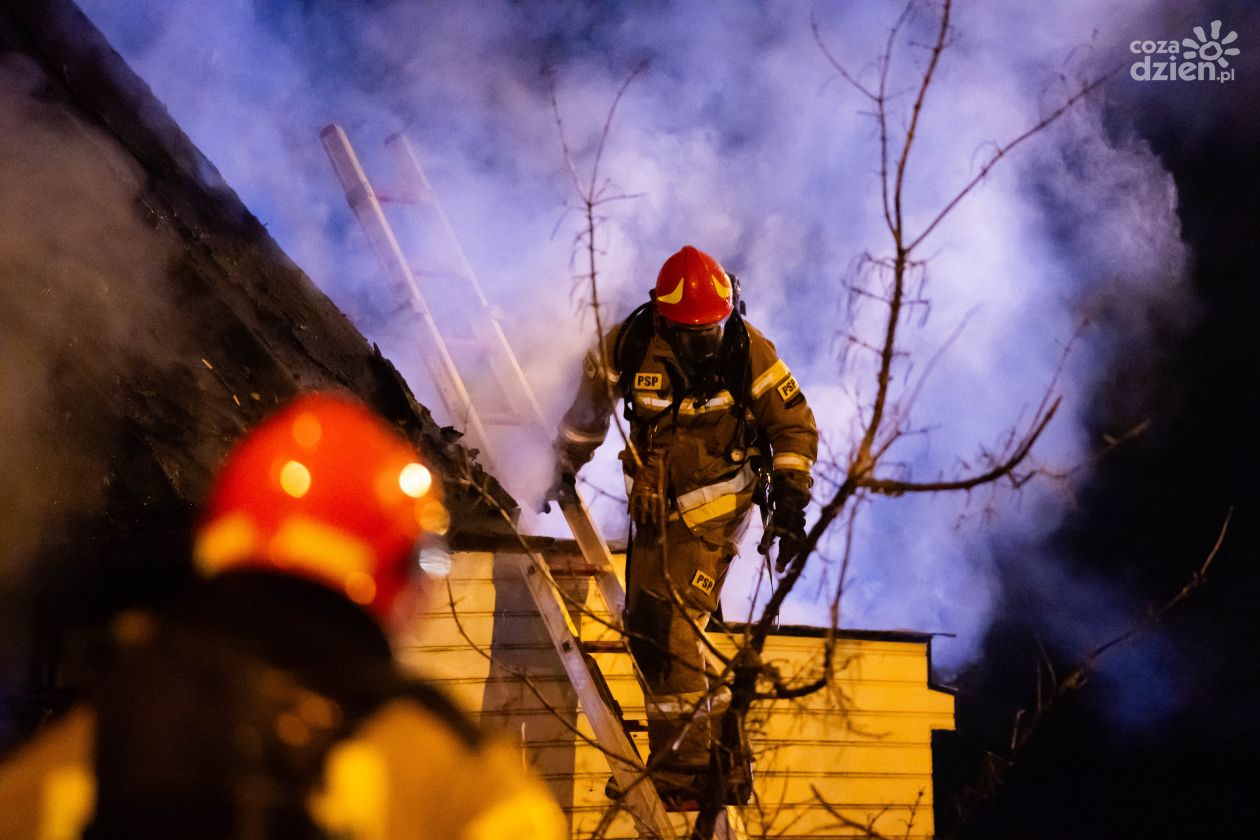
x,y
860,749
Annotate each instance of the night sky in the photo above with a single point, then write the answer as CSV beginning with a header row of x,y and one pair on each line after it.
x,y
1182,764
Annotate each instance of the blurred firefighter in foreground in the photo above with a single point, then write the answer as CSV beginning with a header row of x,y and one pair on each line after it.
x,y
715,418
265,702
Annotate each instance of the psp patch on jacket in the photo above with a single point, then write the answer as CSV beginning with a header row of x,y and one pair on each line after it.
x,y
788,389
703,582
649,381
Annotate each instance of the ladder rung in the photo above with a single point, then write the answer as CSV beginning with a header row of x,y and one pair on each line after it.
x,y
575,571
461,343
459,305
437,274
504,419
402,197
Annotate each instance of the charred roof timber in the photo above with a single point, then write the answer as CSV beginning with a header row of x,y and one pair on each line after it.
x,y
244,303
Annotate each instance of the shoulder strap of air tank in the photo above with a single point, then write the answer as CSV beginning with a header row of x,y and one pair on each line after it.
x,y
630,349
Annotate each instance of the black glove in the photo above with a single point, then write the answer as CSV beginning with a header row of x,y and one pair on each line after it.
x,y
563,489
788,498
647,495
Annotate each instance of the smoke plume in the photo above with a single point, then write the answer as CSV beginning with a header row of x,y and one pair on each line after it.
x,y
739,138
81,299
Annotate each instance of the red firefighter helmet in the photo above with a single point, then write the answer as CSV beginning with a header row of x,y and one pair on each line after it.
x,y
693,289
325,490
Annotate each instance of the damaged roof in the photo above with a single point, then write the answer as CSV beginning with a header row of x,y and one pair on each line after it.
x,y
147,319
248,327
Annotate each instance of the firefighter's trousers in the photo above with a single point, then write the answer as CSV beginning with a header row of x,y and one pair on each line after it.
x,y
673,580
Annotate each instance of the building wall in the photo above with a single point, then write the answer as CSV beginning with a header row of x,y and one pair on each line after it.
x,y
854,755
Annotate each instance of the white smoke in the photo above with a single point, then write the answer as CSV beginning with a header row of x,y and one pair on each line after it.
x,y
81,299
740,140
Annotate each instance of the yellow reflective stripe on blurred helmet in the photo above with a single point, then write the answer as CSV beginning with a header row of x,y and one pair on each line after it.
x,y
777,372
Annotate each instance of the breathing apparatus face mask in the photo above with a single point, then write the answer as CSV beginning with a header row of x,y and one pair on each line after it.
x,y
697,347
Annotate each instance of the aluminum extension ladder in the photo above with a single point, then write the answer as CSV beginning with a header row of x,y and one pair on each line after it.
x,y
464,332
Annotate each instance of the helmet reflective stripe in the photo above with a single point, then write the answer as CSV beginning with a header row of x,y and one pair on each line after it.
x,y
675,296
722,286
337,557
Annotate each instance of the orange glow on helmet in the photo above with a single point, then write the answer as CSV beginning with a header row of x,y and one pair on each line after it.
x,y
692,288
326,490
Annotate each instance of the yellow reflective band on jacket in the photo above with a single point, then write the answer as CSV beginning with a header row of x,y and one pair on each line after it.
x,y
591,366
526,816
69,796
714,500
579,437
712,492
698,435
773,375
792,461
355,799
710,510
720,401
644,401
689,703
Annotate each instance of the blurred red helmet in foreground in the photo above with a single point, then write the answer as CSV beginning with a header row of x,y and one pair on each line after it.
x,y
325,490
692,289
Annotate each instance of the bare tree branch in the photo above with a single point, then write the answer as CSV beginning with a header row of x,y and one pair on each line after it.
x,y
1005,149
1028,723
893,487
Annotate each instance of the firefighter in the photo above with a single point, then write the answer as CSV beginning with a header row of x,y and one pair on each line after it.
x,y
265,702
710,407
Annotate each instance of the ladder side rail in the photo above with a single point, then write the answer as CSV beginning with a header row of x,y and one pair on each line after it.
x,y
595,551
593,546
641,799
408,163
732,827
367,208
362,198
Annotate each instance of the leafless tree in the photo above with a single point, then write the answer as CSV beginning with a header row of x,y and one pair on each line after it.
x,y
1053,688
894,277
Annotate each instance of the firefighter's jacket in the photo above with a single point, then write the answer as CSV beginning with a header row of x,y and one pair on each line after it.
x,y
708,452
404,776
322,742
